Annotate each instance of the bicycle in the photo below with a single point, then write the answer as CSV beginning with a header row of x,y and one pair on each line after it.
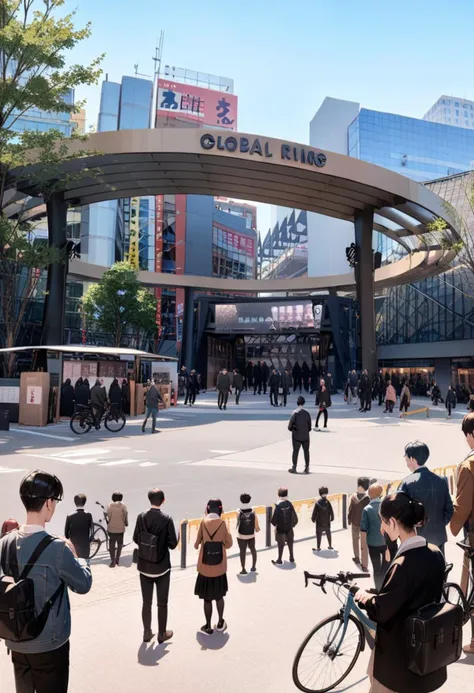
x,y
335,643
82,421
453,593
100,534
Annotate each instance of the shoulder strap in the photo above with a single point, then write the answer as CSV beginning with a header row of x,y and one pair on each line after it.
x,y
211,536
46,541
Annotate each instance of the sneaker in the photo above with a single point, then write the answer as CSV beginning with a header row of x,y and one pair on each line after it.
x,y
147,635
317,549
207,630
112,565
277,562
253,569
292,470
330,548
221,626
167,635
316,428
243,572
225,407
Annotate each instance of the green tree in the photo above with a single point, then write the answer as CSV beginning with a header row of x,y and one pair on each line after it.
x,y
34,44
118,305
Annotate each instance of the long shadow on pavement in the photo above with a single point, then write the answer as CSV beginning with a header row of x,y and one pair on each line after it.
x,y
216,641
150,655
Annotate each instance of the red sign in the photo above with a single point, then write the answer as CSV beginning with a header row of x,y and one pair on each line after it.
x,y
243,244
204,106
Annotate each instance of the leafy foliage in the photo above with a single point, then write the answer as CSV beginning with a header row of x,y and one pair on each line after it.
x,y
119,304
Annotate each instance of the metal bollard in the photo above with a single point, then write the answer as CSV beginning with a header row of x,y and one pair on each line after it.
x,y
268,526
344,510
184,542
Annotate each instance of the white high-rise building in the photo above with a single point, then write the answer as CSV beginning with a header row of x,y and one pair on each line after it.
x,y
452,110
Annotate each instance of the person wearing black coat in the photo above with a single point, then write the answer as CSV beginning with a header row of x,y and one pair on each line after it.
x,y
305,373
257,378
296,373
414,580
126,396
323,401
450,401
237,384
115,394
249,373
322,516
435,394
382,389
265,376
274,384
365,390
67,399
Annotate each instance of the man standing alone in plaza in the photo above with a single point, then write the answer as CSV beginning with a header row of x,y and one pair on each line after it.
x,y
237,384
155,535
463,516
431,490
40,664
153,399
300,427
223,388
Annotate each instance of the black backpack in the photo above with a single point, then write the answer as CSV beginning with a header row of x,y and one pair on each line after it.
x,y
246,523
285,519
148,544
213,551
19,620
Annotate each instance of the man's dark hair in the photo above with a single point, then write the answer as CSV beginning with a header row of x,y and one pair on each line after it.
x,y
245,498
364,481
156,496
419,451
117,496
468,424
323,490
37,487
80,500
300,401
282,492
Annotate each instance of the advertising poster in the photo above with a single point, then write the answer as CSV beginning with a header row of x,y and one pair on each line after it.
x,y
265,317
204,106
159,223
133,247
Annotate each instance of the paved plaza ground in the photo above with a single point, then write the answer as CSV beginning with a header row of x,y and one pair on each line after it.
x,y
203,452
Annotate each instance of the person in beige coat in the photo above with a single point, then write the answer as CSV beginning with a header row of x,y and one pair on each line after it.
x,y
212,540
117,520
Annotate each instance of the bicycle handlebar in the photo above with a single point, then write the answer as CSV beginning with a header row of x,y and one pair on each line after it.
x,y
341,578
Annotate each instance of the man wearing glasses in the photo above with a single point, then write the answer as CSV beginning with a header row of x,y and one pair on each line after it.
x,y
41,663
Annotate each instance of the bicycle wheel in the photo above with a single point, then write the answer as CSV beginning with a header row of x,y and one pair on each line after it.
x,y
114,421
317,667
99,537
453,594
80,423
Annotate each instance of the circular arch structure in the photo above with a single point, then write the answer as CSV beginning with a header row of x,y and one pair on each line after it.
x,y
211,162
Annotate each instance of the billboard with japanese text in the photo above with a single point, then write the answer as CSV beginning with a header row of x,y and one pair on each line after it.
x,y
203,106
264,317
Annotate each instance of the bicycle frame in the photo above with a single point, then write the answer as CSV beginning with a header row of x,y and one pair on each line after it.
x,y
351,607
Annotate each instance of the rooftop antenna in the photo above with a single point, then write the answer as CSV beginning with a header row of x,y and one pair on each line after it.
x,y
156,75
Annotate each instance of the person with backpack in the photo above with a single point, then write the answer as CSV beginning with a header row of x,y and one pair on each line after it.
x,y
284,519
36,570
155,536
213,538
323,515
247,525
413,582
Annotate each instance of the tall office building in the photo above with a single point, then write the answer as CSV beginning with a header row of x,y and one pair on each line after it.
x,y
452,110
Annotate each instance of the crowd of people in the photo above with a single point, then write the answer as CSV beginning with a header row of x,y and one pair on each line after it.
x,y
81,394
410,523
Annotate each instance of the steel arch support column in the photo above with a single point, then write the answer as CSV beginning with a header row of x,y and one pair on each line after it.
x,y
188,329
364,224
55,301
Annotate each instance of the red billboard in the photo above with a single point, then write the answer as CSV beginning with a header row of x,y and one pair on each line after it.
x,y
203,106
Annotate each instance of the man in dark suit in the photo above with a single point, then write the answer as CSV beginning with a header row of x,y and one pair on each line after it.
x,y
79,527
432,490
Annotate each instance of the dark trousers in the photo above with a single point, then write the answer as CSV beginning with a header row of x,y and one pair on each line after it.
x,y
257,384
319,533
282,539
274,396
245,544
47,672
377,557
381,397
389,404
115,546
264,383
324,412
285,396
162,591
98,414
297,444
237,396
296,383
404,404
449,406
222,398
190,396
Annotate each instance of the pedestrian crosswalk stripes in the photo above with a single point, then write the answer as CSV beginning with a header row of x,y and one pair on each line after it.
x,y
10,470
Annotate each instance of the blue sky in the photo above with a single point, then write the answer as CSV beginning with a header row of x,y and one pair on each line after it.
x,y
286,56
